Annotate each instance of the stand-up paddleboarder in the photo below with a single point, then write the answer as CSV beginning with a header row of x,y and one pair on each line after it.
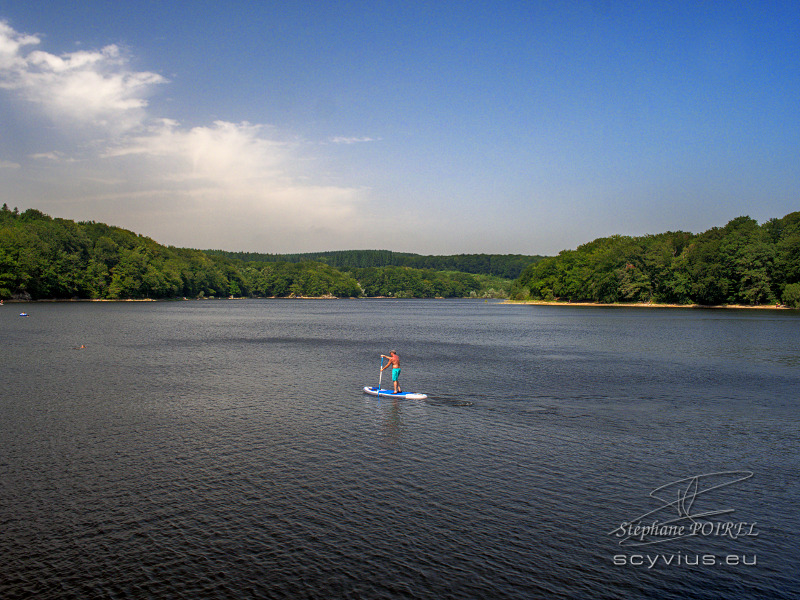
x,y
394,362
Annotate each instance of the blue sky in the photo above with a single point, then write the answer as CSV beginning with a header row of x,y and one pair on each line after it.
x,y
430,127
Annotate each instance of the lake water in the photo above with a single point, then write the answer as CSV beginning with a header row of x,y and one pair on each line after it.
x,y
224,449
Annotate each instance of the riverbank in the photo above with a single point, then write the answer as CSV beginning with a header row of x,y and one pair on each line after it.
x,y
328,297
652,305
203,299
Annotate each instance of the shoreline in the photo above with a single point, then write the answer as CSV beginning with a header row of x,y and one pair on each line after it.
x,y
179,299
499,301
653,305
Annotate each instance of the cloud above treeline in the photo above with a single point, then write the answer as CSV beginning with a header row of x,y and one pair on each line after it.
x,y
222,184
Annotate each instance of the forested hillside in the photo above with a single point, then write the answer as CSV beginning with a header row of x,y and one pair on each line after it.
x,y
741,263
43,258
507,266
46,258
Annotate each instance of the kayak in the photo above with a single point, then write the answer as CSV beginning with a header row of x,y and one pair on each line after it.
x,y
373,391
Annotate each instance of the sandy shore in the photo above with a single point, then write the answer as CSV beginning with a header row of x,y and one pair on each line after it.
x,y
651,305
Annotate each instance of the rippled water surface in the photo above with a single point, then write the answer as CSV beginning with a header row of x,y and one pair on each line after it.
x,y
224,449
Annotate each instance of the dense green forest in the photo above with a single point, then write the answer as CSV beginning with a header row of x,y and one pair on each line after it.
x,y
506,266
46,258
740,263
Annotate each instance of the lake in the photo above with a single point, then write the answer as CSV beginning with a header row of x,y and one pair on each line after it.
x,y
225,449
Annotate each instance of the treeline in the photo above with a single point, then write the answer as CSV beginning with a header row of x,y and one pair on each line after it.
x,y
506,266
404,282
46,258
740,263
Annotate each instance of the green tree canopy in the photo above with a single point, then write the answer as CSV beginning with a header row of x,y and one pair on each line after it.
x,y
46,258
740,263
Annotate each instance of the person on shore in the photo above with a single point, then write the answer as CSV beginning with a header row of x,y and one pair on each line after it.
x,y
394,362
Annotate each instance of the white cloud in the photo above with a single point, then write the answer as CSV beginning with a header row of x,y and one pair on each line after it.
x,y
224,152
95,88
5,164
353,140
55,156
231,170
10,44
223,184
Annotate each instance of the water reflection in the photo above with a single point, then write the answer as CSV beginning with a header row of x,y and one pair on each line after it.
x,y
204,449
392,422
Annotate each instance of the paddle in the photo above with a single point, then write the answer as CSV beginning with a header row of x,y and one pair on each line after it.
x,y
380,376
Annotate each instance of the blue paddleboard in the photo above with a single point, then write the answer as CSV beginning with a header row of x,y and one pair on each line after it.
x,y
373,391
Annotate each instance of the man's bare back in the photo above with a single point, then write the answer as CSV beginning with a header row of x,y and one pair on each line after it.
x,y
394,362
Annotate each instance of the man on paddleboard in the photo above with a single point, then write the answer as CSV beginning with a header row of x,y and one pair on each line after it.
x,y
394,362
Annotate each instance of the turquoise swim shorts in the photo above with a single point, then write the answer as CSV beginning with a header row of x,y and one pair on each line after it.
x,y
395,374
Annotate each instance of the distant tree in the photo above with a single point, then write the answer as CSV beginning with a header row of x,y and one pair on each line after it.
x,y
791,295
